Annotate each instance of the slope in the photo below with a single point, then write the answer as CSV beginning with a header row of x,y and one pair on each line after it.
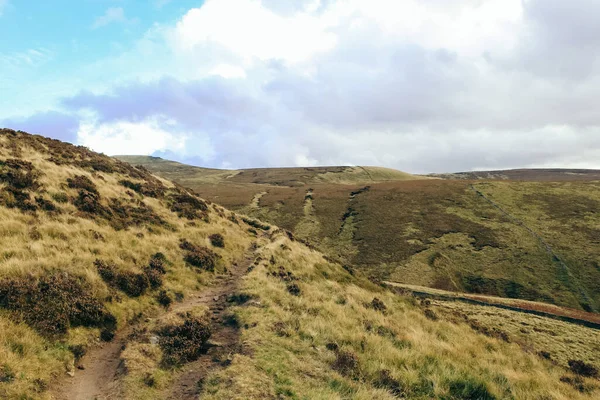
x,y
534,240
534,175
190,175
94,250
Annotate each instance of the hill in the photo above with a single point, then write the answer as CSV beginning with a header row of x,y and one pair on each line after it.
x,y
531,240
287,177
117,284
535,175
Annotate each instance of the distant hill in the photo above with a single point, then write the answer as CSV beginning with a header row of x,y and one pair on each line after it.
x,y
293,176
534,175
517,238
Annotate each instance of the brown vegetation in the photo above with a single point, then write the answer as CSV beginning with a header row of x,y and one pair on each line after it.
x,y
199,256
184,342
53,303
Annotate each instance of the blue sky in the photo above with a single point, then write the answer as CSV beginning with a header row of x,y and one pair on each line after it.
x,y
53,47
418,85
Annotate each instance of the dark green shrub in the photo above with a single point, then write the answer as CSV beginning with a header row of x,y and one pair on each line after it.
x,y
45,205
256,224
188,206
19,174
199,256
155,270
217,240
386,381
152,188
582,368
17,198
378,305
185,342
82,182
53,303
283,274
294,289
133,284
346,363
164,298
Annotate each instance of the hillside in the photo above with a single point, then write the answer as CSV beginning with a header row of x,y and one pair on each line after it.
x,y
535,175
531,240
294,177
117,284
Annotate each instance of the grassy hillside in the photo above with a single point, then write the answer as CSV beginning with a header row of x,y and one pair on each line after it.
x,y
535,175
118,284
267,176
521,239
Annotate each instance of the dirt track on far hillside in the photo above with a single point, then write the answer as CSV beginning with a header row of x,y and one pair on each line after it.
x,y
100,378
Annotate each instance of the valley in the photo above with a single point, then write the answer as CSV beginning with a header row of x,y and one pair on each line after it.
x,y
119,284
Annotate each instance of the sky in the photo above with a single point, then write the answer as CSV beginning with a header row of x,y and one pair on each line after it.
x,y
418,85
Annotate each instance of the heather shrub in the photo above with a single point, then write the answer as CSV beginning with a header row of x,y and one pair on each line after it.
x,y
184,342
346,363
131,283
217,240
53,303
582,368
199,256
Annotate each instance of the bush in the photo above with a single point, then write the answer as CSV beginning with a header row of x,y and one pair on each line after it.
x,y
283,275
185,342
256,224
133,284
19,174
164,299
187,206
582,368
386,381
199,256
217,240
346,363
53,303
294,289
155,270
82,182
378,305
152,189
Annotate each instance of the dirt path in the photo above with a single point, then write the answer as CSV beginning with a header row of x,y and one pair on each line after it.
x,y
99,378
224,341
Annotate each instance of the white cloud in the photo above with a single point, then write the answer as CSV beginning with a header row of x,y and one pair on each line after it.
x,y
123,137
249,30
112,15
28,58
228,71
420,85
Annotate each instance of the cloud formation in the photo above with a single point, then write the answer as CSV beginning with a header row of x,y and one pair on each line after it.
x,y
51,123
112,15
423,86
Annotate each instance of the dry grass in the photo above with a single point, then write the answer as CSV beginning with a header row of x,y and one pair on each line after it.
x,y
37,243
311,329
396,351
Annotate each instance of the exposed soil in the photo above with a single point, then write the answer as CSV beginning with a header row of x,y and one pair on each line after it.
x,y
98,381
99,378
224,341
